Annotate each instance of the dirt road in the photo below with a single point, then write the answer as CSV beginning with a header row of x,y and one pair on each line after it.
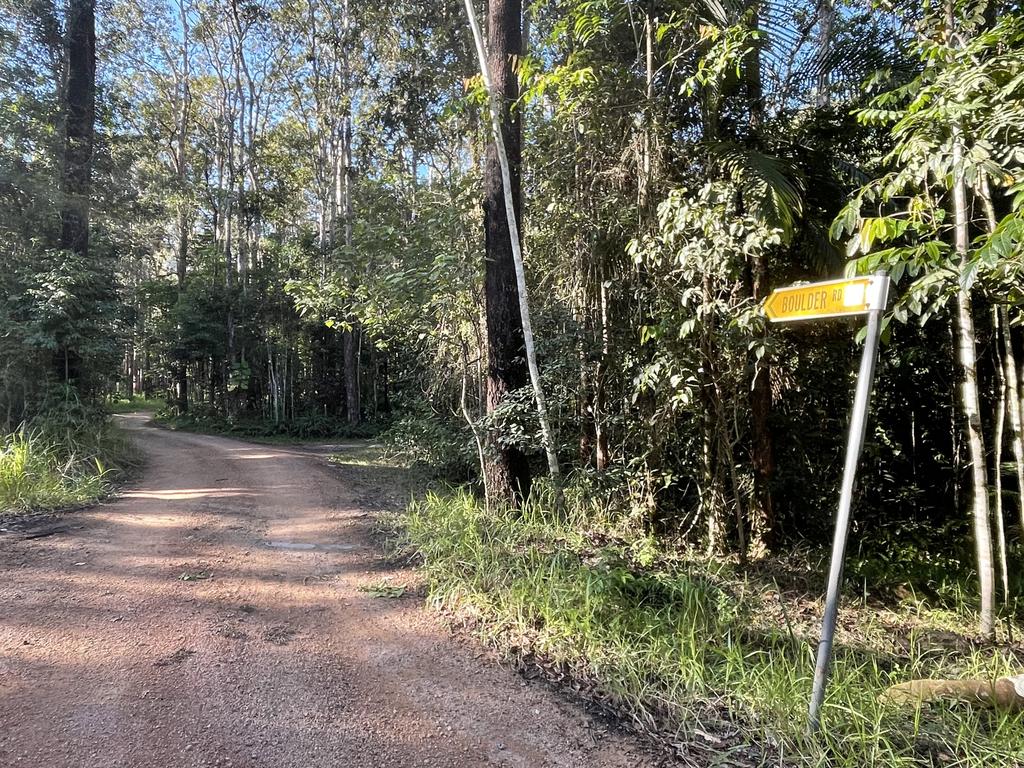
x,y
216,615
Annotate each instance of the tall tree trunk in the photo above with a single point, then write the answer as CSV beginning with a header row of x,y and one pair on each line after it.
x,y
1007,370
181,368
826,21
79,91
130,368
1015,404
226,183
997,461
350,340
979,475
79,120
383,387
243,90
603,457
762,515
352,337
509,469
183,91
970,402
644,182
762,453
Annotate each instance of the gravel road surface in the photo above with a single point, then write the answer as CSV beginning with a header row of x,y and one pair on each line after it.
x,y
217,614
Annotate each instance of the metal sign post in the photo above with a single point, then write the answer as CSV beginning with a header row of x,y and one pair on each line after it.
x,y
834,299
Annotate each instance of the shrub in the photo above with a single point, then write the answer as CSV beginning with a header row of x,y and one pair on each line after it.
x,y
60,460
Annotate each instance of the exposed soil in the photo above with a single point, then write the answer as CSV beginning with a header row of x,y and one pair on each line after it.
x,y
231,609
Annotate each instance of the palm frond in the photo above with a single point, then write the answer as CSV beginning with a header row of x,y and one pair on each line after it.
x,y
723,13
768,185
798,56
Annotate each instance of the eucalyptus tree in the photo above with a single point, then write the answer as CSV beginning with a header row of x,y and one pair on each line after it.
x,y
78,96
509,475
181,69
324,84
62,293
511,218
159,73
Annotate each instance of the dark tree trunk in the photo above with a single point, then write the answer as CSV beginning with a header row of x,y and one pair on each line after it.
x,y
508,470
79,96
130,369
762,516
383,386
379,371
79,119
181,386
762,450
351,353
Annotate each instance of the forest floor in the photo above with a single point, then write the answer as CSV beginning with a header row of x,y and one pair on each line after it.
x,y
232,608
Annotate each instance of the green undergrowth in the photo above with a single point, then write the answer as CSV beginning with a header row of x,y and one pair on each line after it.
x,y
311,427
136,403
366,454
50,465
716,658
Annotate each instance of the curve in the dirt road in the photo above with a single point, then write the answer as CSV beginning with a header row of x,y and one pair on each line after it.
x,y
228,610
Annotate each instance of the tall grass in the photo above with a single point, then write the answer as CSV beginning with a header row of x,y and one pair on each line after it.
x,y
689,648
46,468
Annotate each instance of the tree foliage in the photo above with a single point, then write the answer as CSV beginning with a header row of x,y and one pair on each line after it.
x,y
286,228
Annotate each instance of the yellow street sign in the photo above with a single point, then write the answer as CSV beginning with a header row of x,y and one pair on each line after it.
x,y
832,298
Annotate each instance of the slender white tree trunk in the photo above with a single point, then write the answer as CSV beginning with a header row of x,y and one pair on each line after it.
x,y
997,460
645,180
970,402
473,428
1014,398
1016,411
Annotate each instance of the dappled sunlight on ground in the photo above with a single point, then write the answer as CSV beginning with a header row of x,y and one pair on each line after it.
x,y
238,609
186,494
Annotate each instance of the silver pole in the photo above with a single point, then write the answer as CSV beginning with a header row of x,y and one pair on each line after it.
x,y
855,442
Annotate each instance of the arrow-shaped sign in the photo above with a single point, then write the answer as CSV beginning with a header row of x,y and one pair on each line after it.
x,y
832,298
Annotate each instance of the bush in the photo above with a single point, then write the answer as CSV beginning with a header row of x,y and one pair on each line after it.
x,y
425,440
61,459
312,426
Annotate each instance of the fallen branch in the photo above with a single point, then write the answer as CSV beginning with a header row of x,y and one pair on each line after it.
x,y
1006,693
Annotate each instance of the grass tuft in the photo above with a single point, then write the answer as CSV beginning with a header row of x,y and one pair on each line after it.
x,y
46,469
